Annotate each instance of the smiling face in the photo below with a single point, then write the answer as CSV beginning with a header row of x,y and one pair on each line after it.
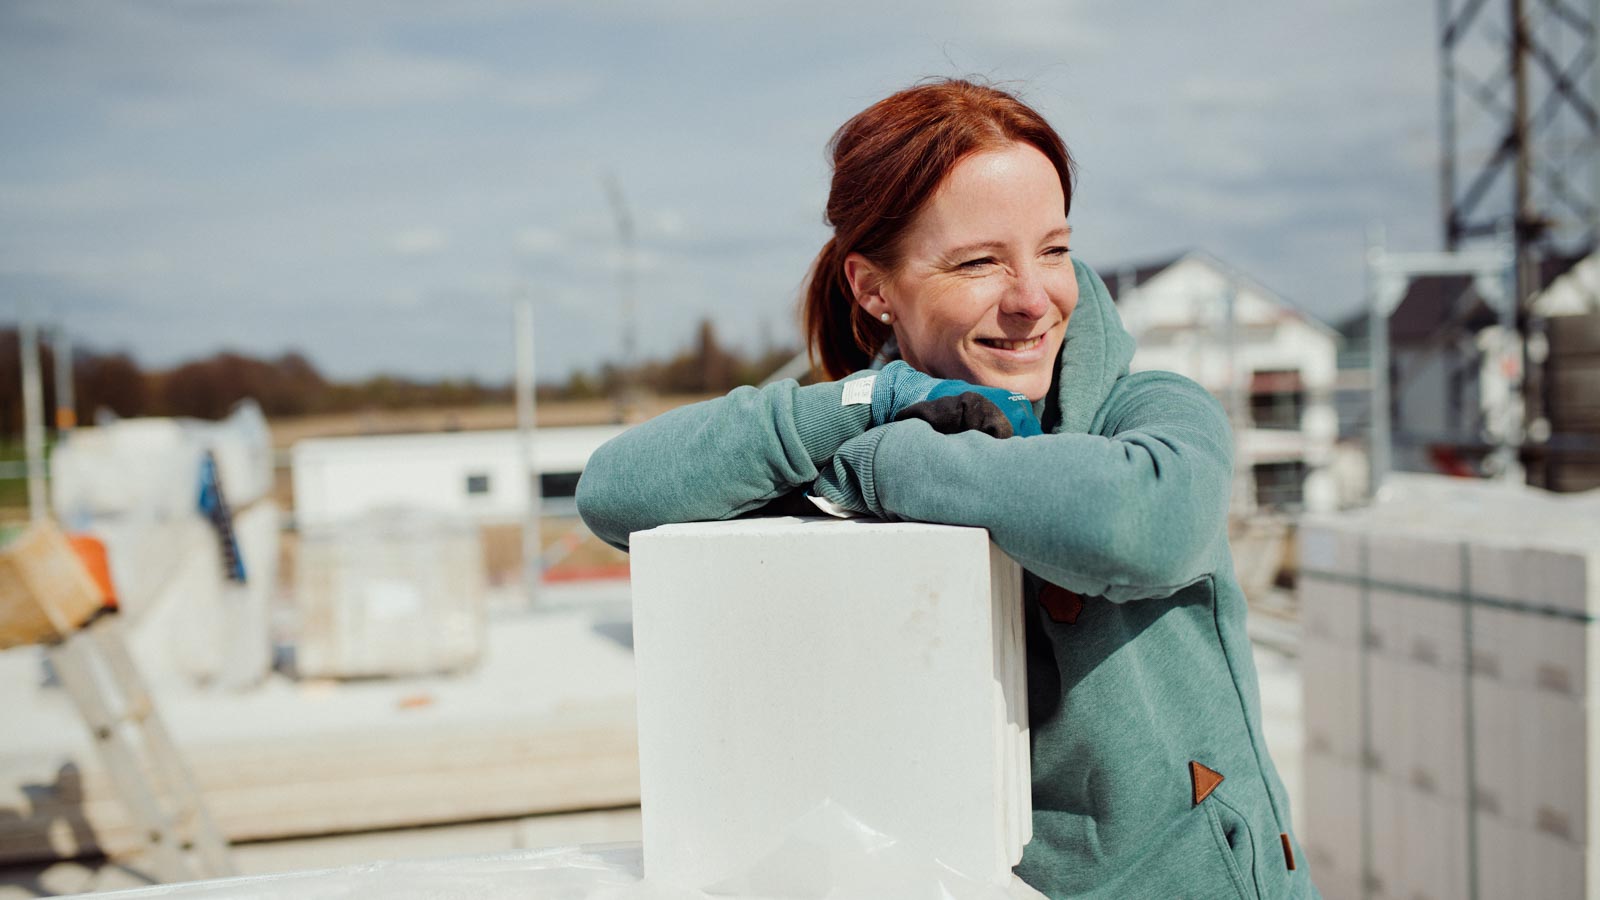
x,y
984,285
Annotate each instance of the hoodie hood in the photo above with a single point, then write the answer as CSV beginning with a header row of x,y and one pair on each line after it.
x,y
1094,354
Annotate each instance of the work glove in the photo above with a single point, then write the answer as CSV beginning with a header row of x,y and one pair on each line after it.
x,y
899,388
955,413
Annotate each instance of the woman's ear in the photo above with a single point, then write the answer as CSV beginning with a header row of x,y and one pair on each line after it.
x,y
866,282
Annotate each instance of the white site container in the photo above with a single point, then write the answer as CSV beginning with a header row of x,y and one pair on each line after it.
x,y
815,688
395,594
1475,685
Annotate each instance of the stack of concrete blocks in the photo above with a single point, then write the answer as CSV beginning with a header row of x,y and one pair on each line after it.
x,y
1452,667
390,594
820,696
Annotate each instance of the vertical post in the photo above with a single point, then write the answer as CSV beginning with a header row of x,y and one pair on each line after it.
x,y
1243,488
1512,346
66,417
1447,124
1378,360
33,415
532,546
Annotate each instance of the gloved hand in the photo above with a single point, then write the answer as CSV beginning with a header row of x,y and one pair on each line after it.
x,y
955,413
899,387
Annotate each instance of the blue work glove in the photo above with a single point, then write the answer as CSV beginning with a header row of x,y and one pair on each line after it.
x,y
900,387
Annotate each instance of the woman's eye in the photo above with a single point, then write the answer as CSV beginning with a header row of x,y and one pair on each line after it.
x,y
1058,251
978,263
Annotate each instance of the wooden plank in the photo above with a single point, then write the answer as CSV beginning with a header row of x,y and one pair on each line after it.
x,y
329,783
45,590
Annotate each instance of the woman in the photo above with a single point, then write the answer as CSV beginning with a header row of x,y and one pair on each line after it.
x,y
951,252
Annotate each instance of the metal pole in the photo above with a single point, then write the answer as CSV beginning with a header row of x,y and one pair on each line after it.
x,y
532,546
1378,449
628,397
33,416
1447,124
1243,488
66,417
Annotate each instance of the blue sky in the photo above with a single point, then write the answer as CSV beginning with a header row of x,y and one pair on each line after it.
x,y
370,182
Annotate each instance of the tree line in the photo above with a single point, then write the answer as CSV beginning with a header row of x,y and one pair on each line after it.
x,y
113,383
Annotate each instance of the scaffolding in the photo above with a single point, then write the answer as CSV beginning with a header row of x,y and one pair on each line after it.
x,y
1520,155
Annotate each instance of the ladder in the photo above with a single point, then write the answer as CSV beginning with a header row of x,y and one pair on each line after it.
x,y
49,597
148,772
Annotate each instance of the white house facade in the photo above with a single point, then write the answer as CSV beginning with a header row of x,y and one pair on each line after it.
x,y
1271,365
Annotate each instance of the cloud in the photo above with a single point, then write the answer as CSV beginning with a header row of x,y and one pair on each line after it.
x,y
419,241
534,241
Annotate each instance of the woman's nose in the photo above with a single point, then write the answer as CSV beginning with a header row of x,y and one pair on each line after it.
x,y
1026,295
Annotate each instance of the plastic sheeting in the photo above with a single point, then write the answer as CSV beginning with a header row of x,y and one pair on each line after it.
x,y
827,856
135,484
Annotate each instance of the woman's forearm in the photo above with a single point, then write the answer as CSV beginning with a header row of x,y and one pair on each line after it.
x,y
1138,513
716,459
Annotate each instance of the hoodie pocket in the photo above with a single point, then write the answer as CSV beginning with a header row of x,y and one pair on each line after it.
x,y
1236,844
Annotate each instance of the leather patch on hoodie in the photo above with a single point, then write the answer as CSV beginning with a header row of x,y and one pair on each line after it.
x,y
1288,851
1060,604
1205,781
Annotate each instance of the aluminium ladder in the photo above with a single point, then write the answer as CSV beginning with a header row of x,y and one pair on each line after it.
x,y
133,744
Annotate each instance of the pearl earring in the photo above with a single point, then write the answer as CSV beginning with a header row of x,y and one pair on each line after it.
x,y
885,318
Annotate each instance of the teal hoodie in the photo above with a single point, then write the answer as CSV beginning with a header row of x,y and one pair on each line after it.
x,y
1141,686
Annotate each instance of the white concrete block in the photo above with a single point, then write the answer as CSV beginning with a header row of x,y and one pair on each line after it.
x,y
1388,749
1499,741
1504,866
1331,676
1503,645
798,673
1495,568
1386,622
1391,843
1558,868
1435,728
1559,577
1435,631
1333,816
1557,755
1559,653
1415,557
1435,840
1330,610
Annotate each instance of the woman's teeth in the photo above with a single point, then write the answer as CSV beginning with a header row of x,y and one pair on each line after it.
x,y
1027,344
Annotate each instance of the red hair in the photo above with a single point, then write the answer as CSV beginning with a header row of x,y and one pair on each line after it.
x,y
887,162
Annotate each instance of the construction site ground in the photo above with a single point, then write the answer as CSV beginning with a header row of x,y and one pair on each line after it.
x,y
545,720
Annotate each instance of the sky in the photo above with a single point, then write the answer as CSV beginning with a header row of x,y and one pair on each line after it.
x,y
371,183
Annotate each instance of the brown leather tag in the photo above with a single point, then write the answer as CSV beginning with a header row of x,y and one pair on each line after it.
x,y
1288,851
1061,604
1205,781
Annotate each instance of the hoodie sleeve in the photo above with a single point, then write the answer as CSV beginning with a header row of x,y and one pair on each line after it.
x,y
717,459
1137,508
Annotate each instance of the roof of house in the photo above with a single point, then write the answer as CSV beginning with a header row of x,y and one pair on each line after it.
x,y
1134,275
1434,302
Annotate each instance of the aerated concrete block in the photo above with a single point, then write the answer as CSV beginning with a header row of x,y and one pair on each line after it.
x,y
797,674
1330,610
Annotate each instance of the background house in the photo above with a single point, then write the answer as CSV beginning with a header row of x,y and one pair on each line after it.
x,y
1272,365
